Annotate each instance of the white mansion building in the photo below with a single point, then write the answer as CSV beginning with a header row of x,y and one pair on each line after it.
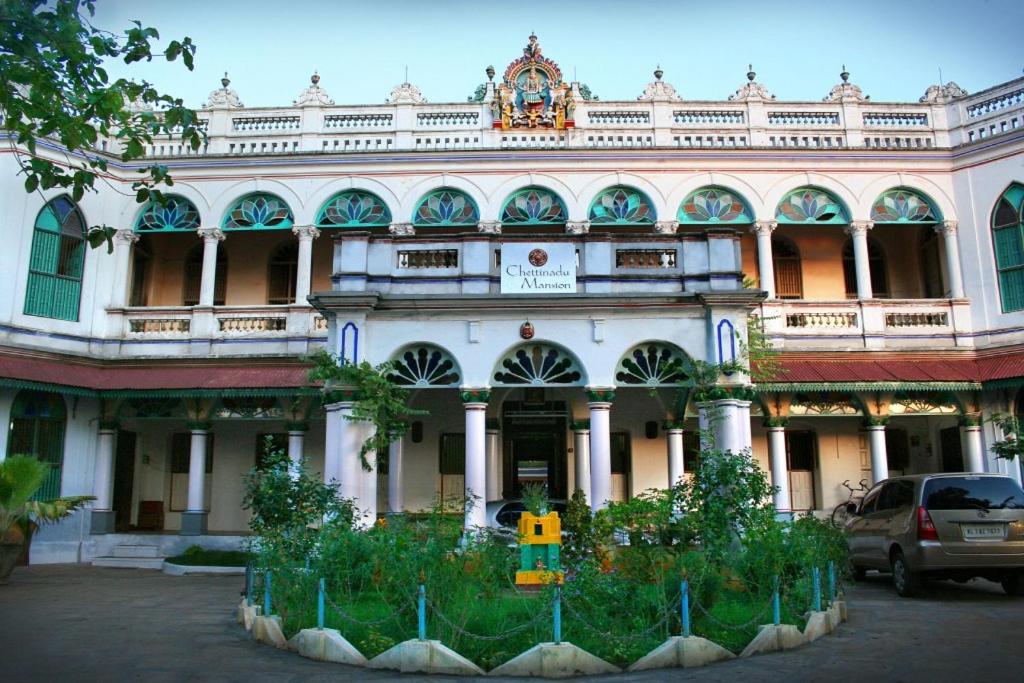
x,y
539,265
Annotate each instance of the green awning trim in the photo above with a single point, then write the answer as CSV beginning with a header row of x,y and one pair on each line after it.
x,y
47,386
1005,383
784,387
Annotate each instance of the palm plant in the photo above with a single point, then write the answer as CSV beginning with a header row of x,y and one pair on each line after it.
x,y
20,477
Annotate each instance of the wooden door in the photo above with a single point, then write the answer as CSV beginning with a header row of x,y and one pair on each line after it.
x,y
952,450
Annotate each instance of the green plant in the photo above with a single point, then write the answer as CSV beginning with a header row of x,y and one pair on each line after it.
x,y
1010,446
580,536
535,498
375,399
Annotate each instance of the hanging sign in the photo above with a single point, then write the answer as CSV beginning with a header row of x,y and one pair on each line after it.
x,y
530,268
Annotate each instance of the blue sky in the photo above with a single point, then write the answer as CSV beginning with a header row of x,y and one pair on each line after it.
x,y
893,49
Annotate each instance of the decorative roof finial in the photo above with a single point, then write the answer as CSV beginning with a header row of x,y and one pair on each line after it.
x,y
225,82
223,97
490,72
845,75
658,89
751,90
750,73
846,91
314,95
315,78
658,73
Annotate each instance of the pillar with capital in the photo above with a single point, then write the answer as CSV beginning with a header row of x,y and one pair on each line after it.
x,y
123,241
765,264
581,450
600,403
858,232
493,449
193,519
396,494
212,237
876,445
974,451
296,446
475,403
304,264
103,480
777,463
674,444
948,230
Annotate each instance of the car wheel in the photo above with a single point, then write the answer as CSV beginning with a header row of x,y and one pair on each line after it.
x,y
1013,584
906,582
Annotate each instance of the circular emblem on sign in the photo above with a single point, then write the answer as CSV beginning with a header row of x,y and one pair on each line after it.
x,y
538,257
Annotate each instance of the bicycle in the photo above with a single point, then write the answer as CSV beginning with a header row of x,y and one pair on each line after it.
x,y
840,513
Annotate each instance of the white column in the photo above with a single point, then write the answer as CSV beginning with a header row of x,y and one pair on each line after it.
x,y
296,447
396,498
368,477
724,419
765,264
780,472
475,403
705,434
743,426
103,477
600,449
332,442
858,232
197,471
581,450
974,455
956,279
493,464
304,265
676,468
879,457
211,238
123,241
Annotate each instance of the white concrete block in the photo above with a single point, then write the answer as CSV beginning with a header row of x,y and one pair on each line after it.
x,y
555,660
425,656
682,652
772,638
327,645
267,630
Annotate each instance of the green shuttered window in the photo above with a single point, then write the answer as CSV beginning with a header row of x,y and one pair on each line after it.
x,y
1008,240
37,429
55,266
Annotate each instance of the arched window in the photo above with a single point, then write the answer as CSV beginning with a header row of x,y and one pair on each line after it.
x,y
714,205
37,429
281,270
55,266
259,211
811,205
353,209
876,263
903,206
621,206
534,206
194,277
1008,241
789,281
176,215
445,208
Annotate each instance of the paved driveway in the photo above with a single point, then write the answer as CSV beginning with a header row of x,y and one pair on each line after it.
x,y
78,623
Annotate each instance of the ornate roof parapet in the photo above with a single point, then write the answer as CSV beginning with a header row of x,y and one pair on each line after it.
x,y
846,91
940,94
224,97
658,90
314,95
751,90
406,93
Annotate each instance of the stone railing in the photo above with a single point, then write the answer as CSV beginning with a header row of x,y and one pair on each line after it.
x,y
263,146
619,117
448,118
645,258
807,141
266,124
709,140
706,116
368,120
895,119
1004,101
803,118
428,258
821,319
898,142
252,324
930,319
159,326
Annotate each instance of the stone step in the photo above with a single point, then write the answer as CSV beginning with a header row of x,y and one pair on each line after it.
x,y
136,551
129,562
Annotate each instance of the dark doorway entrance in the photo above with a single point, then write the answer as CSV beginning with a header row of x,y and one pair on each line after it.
x,y
534,444
801,453
952,450
124,477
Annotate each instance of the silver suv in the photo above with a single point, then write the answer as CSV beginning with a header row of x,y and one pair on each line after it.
x,y
944,526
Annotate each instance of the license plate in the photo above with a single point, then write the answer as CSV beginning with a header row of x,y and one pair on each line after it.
x,y
983,532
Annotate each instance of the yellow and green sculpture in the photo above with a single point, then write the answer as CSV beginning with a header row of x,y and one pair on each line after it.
x,y
540,545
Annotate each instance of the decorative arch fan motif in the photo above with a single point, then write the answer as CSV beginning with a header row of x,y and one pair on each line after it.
x,y
259,212
176,215
621,206
653,364
353,209
444,208
902,206
810,205
534,206
424,366
538,365
714,205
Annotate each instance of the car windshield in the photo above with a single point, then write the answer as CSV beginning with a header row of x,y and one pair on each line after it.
x,y
973,493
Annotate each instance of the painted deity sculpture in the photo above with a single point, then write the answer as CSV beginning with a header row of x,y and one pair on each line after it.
x,y
532,94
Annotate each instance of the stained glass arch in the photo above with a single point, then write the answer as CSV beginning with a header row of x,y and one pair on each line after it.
x,y
621,205
177,214
904,206
446,207
811,205
1008,244
534,206
538,364
259,211
653,364
714,205
353,209
423,366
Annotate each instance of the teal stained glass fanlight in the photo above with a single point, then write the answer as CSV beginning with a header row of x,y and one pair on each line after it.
x,y
445,208
903,206
621,206
534,206
177,214
353,209
259,212
653,364
810,205
714,205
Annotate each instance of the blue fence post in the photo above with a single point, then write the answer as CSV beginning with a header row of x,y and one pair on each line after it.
x,y
266,594
831,581
248,583
421,609
684,607
816,579
320,606
557,609
776,606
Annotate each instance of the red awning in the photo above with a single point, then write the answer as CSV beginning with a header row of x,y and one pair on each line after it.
x,y
893,367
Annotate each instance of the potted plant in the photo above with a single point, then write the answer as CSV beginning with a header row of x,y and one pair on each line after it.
x,y
20,477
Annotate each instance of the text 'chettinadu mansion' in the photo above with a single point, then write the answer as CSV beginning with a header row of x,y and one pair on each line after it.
x,y
536,263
